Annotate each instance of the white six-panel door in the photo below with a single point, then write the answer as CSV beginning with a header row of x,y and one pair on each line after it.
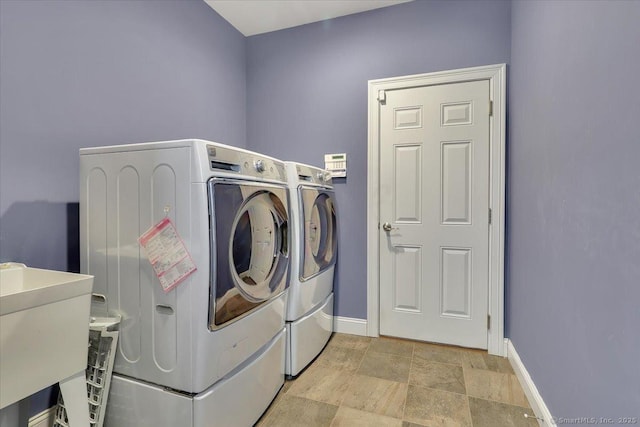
x,y
434,197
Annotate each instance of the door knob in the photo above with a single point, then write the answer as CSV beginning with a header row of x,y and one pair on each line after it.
x,y
387,227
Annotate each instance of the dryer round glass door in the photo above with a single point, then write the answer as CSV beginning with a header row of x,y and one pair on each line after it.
x,y
320,232
249,236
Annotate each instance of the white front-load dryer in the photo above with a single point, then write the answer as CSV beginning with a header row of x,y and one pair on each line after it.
x,y
314,244
219,335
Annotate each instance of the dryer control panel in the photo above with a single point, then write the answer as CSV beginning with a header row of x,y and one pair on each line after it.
x,y
313,175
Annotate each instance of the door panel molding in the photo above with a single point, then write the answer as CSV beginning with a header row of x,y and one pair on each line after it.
x,y
496,75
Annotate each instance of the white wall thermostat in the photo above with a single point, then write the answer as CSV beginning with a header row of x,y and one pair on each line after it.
x,y
336,164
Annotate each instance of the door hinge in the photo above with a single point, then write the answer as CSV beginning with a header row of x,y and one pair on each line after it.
x,y
382,96
490,108
490,215
488,321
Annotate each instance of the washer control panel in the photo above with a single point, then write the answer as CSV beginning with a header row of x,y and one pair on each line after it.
x,y
243,163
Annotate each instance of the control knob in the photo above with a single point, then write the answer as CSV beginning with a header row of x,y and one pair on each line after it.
x,y
259,165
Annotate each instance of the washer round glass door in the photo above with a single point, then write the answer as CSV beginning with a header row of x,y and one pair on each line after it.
x,y
320,231
255,246
249,237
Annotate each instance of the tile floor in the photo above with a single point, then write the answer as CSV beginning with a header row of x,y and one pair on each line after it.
x,y
361,381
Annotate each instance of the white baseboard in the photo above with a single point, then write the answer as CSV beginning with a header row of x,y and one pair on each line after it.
x,y
530,390
350,325
44,418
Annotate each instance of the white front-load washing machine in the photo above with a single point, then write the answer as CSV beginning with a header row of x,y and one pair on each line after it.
x,y
209,352
314,244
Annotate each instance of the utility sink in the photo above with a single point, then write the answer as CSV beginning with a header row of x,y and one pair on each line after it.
x,y
44,330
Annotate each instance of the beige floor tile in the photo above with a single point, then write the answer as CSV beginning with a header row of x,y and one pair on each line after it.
x,y
321,383
285,387
272,406
359,381
495,386
442,376
386,366
294,411
431,408
354,342
392,346
349,417
485,413
483,360
376,395
439,353
347,359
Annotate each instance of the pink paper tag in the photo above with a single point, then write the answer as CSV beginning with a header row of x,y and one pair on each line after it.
x,y
167,254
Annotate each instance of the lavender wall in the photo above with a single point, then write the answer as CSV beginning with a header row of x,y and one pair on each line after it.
x,y
307,95
85,73
574,203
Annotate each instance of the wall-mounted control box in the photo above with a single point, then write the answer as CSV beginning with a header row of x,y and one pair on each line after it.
x,y
336,164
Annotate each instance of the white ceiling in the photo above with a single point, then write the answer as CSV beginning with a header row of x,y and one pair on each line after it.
x,y
252,17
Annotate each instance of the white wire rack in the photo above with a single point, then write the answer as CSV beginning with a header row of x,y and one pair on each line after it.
x,y
103,340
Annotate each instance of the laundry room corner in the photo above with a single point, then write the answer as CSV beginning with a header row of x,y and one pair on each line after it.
x,y
75,74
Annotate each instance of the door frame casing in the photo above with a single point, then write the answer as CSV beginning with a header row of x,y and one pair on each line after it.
x,y
496,75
